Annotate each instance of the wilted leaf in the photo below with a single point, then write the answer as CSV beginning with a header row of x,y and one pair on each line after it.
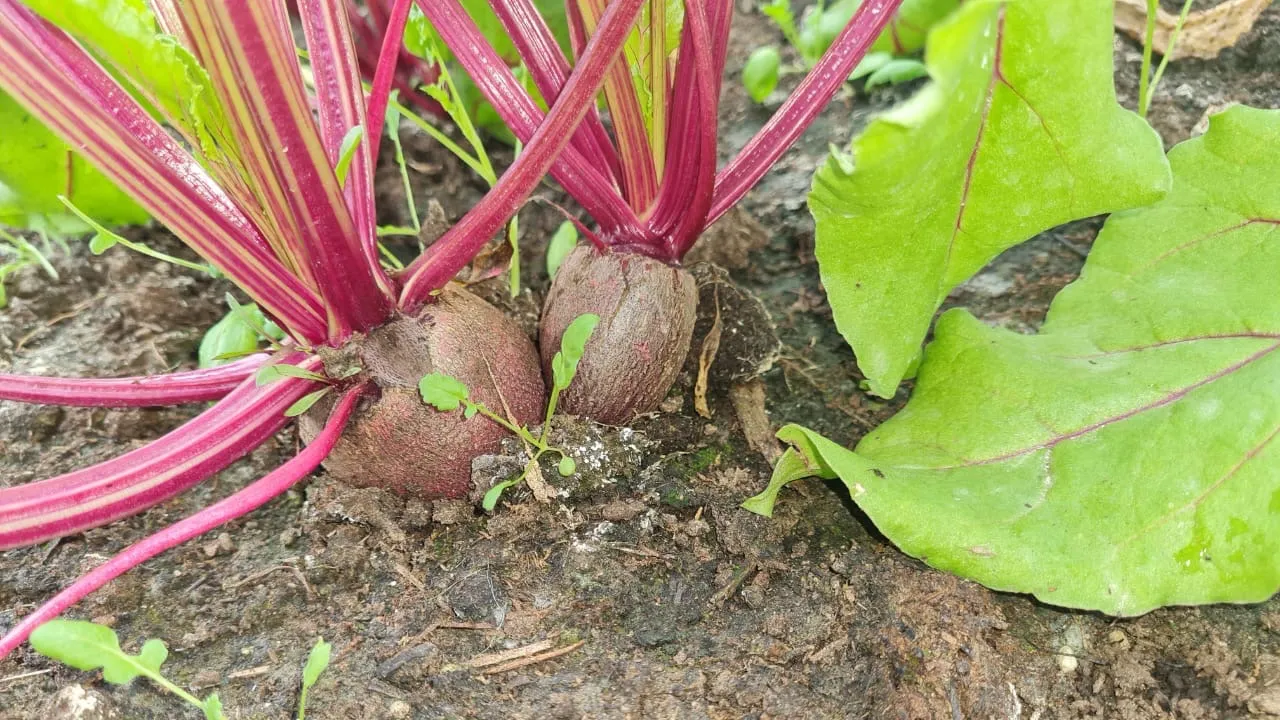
x,y
1019,131
1125,457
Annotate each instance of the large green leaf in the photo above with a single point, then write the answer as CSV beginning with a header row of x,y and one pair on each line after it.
x,y
1019,131
1124,458
36,167
155,65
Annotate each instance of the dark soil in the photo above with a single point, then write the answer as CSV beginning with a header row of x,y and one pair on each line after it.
x,y
669,601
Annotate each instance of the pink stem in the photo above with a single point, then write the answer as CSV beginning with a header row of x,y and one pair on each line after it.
x,y
802,106
433,269
339,95
380,92
243,502
60,84
144,391
547,65
132,482
691,150
581,177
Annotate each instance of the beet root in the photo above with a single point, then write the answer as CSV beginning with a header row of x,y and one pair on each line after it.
x,y
647,310
397,442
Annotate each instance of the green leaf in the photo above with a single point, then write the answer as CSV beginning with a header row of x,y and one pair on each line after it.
x,y
126,35
494,494
305,402
791,466
443,392
36,167
89,646
760,73
234,335
268,374
564,366
870,63
567,466
347,151
317,662
1018,132
896,72
1125,457
562,243
213,708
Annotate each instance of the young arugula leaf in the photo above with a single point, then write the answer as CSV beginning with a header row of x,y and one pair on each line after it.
x,y
104,239
760,73
443,392
89,646
1126,457
562,243
268,374
1022,97
317,662
305,402
564,366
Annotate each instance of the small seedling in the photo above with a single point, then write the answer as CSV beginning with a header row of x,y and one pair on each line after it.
x,y
446,394
90,646
317,662
16,253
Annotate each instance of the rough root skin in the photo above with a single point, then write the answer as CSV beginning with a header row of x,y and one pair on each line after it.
x,y
647,311
397,442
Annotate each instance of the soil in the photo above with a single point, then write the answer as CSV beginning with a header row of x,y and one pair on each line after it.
x,y
666,599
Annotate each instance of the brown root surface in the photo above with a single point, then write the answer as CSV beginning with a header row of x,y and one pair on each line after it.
x,y
399,443
647,311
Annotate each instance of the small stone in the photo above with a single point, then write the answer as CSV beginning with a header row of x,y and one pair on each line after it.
x,y
621,510
1266,702
76,703
451,512
1116,636
222,545
399,709
1067,661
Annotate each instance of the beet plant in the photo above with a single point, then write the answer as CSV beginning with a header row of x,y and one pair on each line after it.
x,y
1123,457
279,199
652,185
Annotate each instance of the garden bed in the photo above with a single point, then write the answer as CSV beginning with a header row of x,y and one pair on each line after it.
x,y
641,590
